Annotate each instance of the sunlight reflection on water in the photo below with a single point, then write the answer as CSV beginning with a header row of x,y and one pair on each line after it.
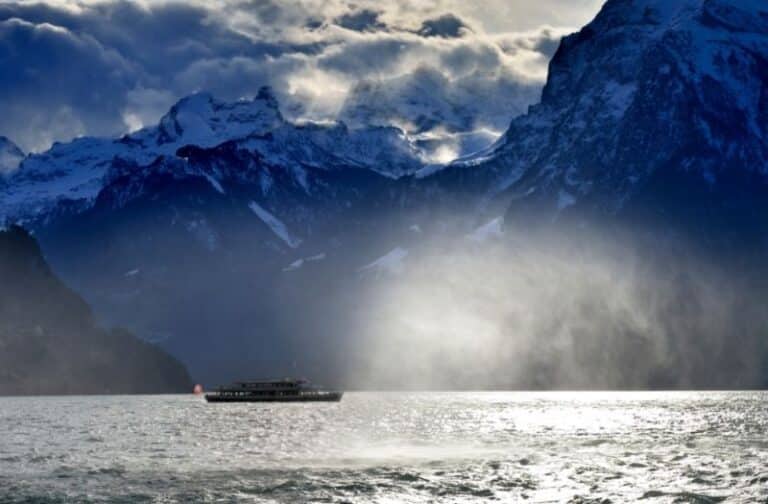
x,y
389,447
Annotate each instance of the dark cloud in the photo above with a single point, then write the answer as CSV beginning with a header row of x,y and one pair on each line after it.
x,y
78,72
548,43
167,35
57,79
467,58
314,24
446,26
362,21
266,11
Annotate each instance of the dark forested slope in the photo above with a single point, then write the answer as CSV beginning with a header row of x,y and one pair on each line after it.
x,y
49,343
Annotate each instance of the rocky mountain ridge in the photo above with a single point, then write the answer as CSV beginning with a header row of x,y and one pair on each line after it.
x,y
72,175
651,101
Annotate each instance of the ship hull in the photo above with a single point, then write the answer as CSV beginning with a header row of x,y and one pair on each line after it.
x,y
326,397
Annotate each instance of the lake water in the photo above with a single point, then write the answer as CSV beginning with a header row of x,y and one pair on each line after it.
x,y
386,447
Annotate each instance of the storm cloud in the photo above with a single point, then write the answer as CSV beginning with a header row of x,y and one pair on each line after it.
x,y
108,67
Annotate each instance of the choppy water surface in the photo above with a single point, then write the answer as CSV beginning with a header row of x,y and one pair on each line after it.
x,y
372,447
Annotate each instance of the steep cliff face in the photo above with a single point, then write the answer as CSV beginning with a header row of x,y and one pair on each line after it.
x,y
49,343
656,109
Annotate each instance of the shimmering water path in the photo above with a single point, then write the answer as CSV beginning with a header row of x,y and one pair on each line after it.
x,y
374,447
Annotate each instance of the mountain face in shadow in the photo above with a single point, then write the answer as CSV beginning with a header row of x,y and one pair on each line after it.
x,y
655,113
49,343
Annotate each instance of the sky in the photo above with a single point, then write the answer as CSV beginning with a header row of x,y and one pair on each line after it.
x,y
104,68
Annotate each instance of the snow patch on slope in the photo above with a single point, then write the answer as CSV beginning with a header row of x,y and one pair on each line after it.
x,y
298,264
392,263
276,225
491,230
215,183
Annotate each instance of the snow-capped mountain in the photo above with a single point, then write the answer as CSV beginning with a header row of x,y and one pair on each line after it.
x,y
72,175
75,171
656,108
10,155
225,198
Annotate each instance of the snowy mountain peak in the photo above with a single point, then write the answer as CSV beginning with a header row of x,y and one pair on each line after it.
x,y
202,120
698,37
649,92
75,173
652,12
660,16
10,155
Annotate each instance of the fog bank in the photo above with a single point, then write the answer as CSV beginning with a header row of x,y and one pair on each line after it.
x,y
541,312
